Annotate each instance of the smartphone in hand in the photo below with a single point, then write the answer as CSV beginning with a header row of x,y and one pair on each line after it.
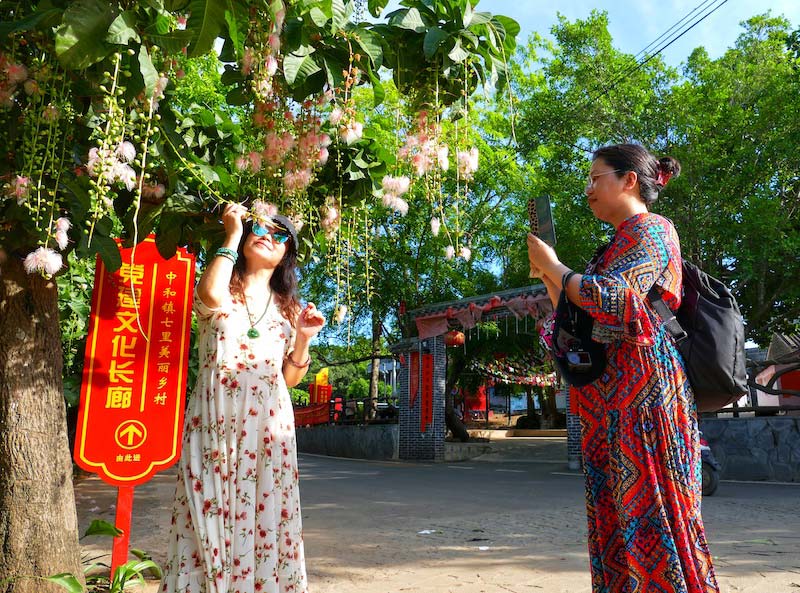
x,y
540,219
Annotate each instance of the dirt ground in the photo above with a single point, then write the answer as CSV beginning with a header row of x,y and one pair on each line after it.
x,y
509,521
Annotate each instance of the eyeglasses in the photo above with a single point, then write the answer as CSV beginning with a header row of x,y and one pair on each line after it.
x,y
278,235
592,179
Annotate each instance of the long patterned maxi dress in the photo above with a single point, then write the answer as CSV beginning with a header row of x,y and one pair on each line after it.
x,y
639,428
236,525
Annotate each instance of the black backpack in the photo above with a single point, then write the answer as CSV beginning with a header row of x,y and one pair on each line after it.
x,y
709,332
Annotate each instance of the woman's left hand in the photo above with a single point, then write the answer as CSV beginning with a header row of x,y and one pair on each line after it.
x,y
310,321
541,256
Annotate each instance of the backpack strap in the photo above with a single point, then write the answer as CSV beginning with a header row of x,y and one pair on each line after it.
x,y
667,316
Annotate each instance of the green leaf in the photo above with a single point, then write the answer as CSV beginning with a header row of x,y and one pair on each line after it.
x,y
433,39
98,526
297,68
408,19
206,20
232,75
479,18
371,44
183,203
458,53
107,249
238,96
466,18
149,72
168,234
375,7
173,42
319,18
67,581
333,71
340,15
209,175
122,29
79,39
155,569
41,19
378,92
237,40
163,23
508,28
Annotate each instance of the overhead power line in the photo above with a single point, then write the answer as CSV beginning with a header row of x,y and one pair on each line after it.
x,y
693,18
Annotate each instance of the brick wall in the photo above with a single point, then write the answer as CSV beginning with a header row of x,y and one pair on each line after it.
x,y
573,436
414,443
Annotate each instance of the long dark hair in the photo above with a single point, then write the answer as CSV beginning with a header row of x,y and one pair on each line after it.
x,y
653,173
283,281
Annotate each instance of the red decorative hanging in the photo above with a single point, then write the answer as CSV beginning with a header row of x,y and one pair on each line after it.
x,y
454,338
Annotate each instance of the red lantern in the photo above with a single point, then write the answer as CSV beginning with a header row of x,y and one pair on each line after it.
x,y
454,338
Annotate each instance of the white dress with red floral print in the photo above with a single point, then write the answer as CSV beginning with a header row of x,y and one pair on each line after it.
x,y
236,525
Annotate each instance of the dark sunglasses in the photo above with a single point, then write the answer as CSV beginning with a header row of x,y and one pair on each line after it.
x,y
278,235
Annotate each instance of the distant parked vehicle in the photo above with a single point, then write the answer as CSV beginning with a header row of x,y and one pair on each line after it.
x,y
711,468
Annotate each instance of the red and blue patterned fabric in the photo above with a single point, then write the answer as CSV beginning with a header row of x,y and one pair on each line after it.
x,y
640,439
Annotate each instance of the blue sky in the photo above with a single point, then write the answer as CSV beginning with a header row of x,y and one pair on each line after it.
x,y
635,24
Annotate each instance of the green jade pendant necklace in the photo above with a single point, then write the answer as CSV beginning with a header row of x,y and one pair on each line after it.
x,y
253,332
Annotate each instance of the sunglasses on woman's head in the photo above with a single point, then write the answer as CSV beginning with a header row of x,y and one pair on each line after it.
x,y
278,235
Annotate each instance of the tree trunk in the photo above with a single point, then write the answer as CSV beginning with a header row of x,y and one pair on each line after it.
x,y
549,410
371,407
38,522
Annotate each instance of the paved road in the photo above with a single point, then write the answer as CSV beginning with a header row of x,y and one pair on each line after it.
x,y
496,526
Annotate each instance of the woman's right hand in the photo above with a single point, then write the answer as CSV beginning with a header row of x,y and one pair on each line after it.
x,y
232,218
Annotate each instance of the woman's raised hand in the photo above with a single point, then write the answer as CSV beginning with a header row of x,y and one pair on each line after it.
x,y
310,321
541,257
232,217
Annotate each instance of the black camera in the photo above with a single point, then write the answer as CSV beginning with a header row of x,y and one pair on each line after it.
x,y
578,361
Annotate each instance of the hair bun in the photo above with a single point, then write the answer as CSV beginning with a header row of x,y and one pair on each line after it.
x,y
668,167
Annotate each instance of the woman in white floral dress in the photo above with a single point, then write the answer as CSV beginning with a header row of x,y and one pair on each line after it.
x,y
236,525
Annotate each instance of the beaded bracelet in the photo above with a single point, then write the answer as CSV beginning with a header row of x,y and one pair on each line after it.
x,y
227,254
298,365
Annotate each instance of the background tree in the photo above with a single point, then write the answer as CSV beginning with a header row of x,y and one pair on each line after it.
x,y
737,206
729,121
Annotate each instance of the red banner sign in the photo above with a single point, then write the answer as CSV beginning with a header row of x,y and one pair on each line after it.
x,y
134,374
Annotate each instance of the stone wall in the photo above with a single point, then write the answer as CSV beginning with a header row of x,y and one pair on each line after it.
x,y
761,448
372,441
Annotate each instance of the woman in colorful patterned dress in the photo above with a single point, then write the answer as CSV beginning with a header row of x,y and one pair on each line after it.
x,y
640,441
236,525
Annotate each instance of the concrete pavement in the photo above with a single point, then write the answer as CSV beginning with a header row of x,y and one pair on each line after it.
x,y
508,523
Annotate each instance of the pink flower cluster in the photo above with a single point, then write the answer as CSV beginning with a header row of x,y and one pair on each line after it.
x,y
158,92
153,191
19,189
467,163
261,210
421,148
114,164
352,131
297,153
44,261
11,76
62,225
262,63
393,188
464,252
330,218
